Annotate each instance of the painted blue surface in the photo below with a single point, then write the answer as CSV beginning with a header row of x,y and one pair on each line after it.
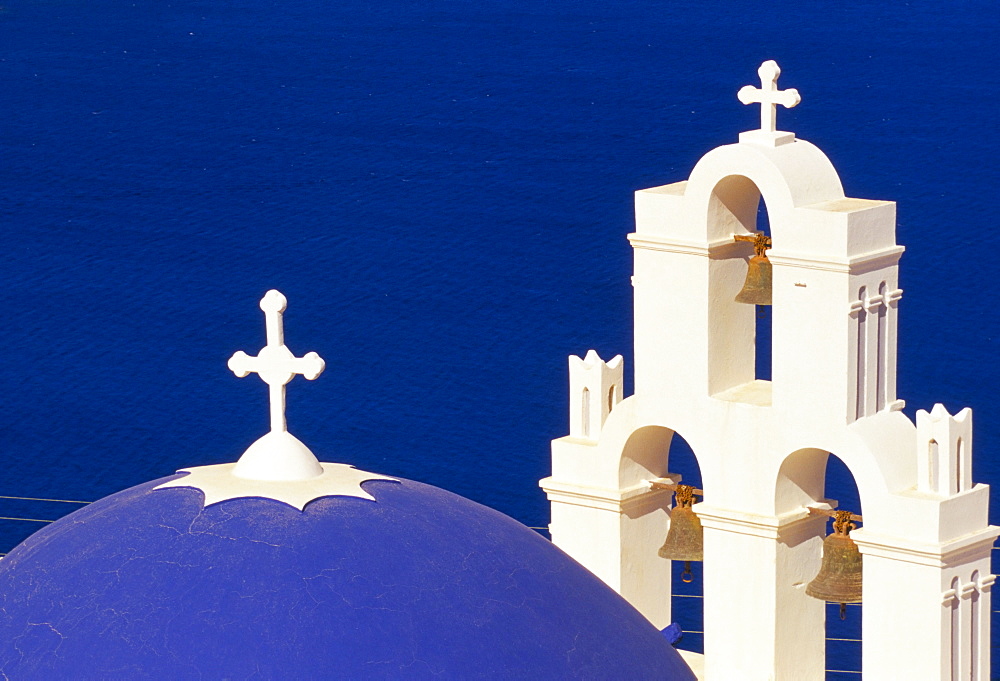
x,y
420,584
443,190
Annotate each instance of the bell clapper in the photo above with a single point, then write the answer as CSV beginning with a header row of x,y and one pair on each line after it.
x,y
843,611
686,576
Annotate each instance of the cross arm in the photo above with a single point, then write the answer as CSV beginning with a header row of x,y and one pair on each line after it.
x,y
242,364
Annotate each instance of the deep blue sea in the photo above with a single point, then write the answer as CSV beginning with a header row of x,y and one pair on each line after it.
x,y
442,189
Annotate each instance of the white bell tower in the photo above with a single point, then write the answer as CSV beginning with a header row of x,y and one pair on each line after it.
x,y
762,446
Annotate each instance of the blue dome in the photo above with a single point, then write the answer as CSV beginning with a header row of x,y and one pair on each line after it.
x,y
420,584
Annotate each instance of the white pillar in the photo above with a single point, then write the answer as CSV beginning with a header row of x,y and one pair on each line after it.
x,y
759,622
911,608
624,532
595,388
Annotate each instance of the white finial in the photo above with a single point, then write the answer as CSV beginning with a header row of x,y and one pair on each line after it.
x,y
278,455
768,96
277,466
276,365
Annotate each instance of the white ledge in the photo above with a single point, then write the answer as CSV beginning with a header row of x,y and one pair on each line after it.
x,y
219,483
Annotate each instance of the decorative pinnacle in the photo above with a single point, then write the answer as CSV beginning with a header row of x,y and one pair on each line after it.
x,y
277,466
768,95
275,364
278,455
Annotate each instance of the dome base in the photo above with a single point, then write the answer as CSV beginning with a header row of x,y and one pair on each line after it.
x,y
219,483
278,456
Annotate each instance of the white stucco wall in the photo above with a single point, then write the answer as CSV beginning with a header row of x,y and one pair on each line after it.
x,y
762,446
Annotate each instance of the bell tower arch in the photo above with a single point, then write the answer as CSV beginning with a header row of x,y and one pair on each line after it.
x,y
762,446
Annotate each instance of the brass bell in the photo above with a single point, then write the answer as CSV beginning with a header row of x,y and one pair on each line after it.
x,y
757,287
684,539
839,578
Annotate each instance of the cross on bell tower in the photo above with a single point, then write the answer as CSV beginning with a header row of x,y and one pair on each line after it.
x,y
768,96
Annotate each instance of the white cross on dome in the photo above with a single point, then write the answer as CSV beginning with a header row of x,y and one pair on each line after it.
x,y
278,465
275,363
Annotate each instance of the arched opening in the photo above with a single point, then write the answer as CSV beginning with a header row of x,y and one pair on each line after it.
x,y
762,315
974,629
959,473
843,636
808,476
861,378
653,452
740,354
585,406
882,338
687,597
933,462
956,631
